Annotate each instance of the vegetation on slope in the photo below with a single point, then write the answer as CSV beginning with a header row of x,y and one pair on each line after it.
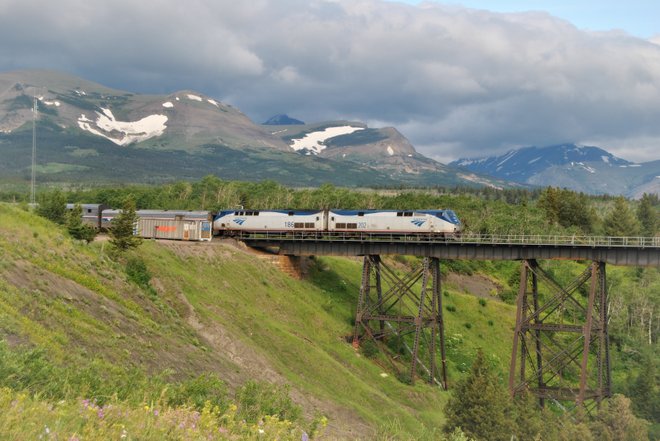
x,y
162,316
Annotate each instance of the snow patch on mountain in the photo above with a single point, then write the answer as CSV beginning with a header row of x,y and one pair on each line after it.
x,y
168,104
50,103
314,142
214,102
123,132
390,151
194,97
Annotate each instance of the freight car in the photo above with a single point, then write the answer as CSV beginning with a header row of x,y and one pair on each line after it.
x,y
178,225
154,224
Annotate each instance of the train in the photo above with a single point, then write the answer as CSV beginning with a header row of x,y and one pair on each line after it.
x,y
203,225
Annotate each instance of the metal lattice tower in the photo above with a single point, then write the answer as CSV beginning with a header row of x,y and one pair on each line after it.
x,y
389,306
560,347
34,152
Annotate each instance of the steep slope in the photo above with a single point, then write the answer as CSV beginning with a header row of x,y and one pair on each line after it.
x,y
581,168
215,307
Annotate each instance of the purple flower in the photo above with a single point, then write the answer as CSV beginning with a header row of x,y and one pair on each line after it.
x,y
100,414
156,412
304,437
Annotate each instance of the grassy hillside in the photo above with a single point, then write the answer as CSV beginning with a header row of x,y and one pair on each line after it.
x,y
218,308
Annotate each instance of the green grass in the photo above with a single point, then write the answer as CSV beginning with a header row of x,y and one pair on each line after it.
x,y
85,305
199,308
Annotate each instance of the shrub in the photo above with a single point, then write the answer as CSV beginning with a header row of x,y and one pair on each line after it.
x,y
482,302
369,348
450,308
137,272
256,399
199,390
52,206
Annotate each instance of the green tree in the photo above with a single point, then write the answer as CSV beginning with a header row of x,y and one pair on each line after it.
x,y
645,393
52,205
567,208
621,221
480,405
77,228
529,424
647,216
122,229
615,422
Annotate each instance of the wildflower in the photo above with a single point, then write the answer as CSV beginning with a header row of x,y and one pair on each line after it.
x,y
261,431
100,413
124,434
156,412
146,408
304,437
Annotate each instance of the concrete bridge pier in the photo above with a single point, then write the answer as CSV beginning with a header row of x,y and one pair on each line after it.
x,y
560,345
390,308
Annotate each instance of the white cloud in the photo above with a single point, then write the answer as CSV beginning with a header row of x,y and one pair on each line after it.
x,y
455,81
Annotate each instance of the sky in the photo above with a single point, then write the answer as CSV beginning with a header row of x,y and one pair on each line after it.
x,y
459,79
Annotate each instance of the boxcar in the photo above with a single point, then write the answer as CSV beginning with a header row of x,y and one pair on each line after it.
x,y
177,225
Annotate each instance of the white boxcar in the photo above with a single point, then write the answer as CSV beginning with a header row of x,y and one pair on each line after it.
x,y
394,221
229,221
177,225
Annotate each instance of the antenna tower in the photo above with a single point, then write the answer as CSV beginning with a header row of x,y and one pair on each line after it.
x,y
34,151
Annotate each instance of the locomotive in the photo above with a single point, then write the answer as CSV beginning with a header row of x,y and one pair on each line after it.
x,y
391,222
202,225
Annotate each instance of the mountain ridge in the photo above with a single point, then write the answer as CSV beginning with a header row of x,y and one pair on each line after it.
x,y
587,169
85,128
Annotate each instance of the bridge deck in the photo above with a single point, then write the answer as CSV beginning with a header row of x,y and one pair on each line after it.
x,y
632,251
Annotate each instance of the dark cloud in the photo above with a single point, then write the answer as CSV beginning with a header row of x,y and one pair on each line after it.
x,y
457,82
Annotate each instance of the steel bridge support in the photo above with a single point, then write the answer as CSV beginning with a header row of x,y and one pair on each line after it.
x,y
560,345
392,307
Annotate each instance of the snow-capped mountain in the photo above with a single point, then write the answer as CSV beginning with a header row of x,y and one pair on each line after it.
x,y
582,168
89,132
383,149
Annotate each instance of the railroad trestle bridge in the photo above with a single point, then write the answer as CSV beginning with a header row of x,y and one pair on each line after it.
x,y
560,342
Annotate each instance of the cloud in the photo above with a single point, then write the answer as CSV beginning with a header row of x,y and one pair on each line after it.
x,y
455,81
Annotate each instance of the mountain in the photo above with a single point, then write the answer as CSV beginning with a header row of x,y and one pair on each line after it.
x,y
89,133
383,149
581,168
282,120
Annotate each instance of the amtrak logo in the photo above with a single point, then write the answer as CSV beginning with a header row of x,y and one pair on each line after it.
x,y
418,222
240,220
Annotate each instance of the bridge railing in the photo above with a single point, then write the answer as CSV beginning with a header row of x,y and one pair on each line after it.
x,y
464,238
